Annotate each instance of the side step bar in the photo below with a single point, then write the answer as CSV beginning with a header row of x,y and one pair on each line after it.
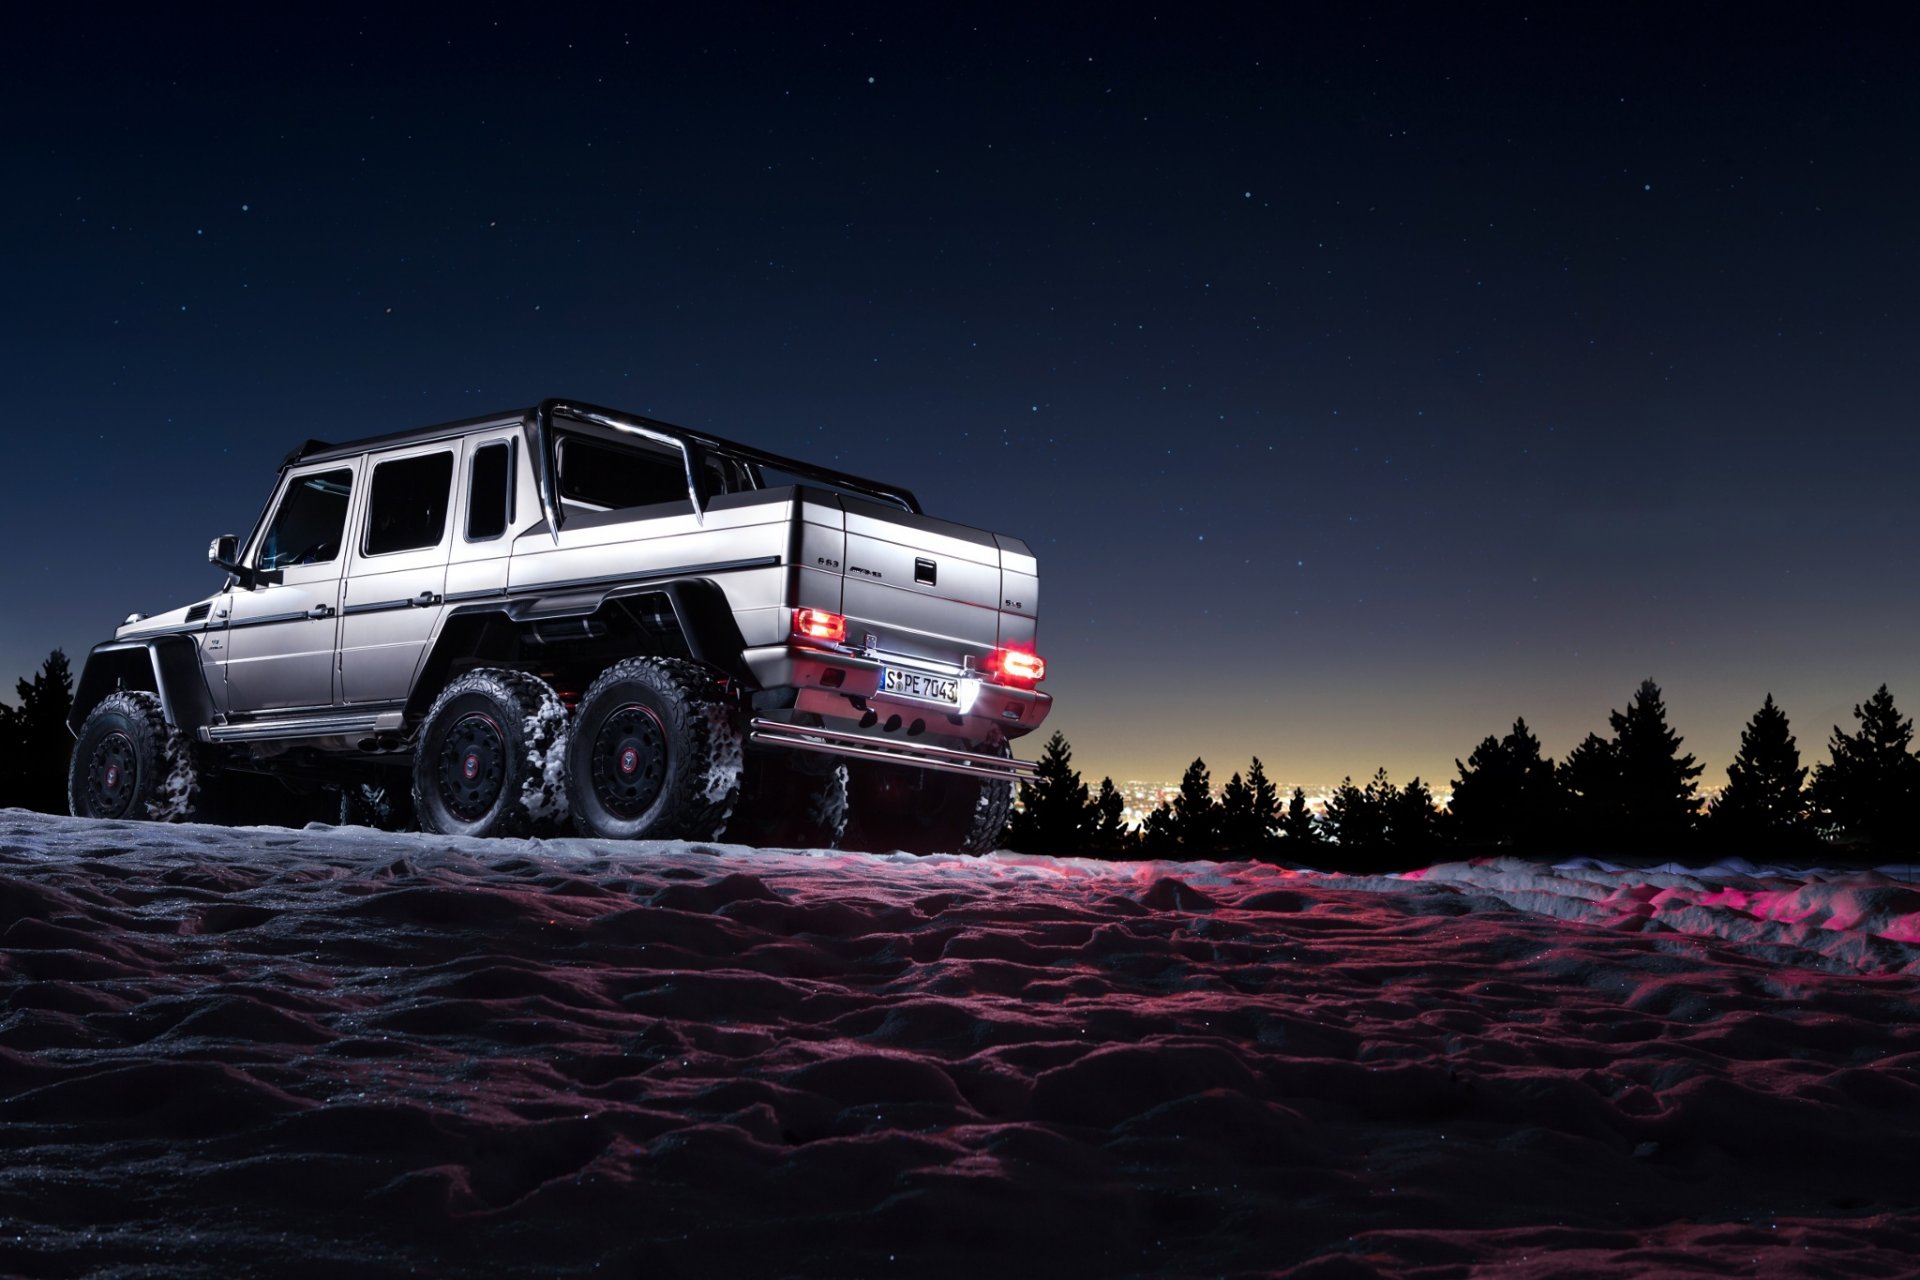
x,y
303,727
835,742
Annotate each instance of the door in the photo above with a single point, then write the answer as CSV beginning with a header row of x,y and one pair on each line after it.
x,y
397,578
281,634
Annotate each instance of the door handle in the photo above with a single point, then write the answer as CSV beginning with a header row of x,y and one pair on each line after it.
x,y
425,598
320,611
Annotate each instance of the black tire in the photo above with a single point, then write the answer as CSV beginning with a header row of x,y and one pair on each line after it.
x,y
790,801
485,761
899,807
654,753
129,763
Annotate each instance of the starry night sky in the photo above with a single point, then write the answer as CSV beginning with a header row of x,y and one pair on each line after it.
x,y
1363,377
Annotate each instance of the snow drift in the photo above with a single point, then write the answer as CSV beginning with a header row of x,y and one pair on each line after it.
x,y
324,1052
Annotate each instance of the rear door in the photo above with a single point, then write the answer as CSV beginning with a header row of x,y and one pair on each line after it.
x,y
397,572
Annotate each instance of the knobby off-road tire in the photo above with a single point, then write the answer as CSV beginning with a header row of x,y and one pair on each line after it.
x,y
791,802
129,763
487,761
899,807
654,753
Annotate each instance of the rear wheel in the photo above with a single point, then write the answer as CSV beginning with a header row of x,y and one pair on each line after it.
x,y
129,763
483,762
923,811
790,801
654,753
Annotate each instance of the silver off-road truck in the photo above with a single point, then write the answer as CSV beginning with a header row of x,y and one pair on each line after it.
x,y
570,610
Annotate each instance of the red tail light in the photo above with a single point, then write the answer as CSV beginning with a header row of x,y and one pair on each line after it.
x,y
1020,666
818,624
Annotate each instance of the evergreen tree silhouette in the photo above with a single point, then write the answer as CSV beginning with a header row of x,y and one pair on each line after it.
x,y
1196,814
1411,818
1589,784
1299,829
1764,805
35,745
1106,821
1867,792
1052,816
1266,806
1658,795
1160,833
1354,818
1244,831
1507,794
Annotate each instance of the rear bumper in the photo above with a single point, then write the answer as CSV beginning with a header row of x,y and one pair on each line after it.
x,y
866,746
843,690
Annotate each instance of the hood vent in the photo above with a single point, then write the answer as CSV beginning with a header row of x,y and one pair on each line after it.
x,y
199,612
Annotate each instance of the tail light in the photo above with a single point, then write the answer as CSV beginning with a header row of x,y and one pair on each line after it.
x,y
818,624
1020,666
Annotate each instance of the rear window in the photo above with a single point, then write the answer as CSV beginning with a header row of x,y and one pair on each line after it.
x,y
611,477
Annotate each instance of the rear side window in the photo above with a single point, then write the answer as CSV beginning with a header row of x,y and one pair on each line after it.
x,y
307,527
613,478
490,492
407,503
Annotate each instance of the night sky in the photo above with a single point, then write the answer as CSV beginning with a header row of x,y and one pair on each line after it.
x,y
1363,377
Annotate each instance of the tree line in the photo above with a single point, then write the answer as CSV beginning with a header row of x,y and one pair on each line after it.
x,y
1631,791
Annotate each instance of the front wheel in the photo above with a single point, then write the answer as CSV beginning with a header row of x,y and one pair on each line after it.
x,y
129,763
654,753
482,764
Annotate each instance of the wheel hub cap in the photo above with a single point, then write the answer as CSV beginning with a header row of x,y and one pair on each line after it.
x,y
629,760
112,777
473,766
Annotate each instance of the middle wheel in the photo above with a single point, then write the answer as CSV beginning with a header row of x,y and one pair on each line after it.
x,y
654,754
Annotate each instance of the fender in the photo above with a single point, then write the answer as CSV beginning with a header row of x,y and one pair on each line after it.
x,y
166,665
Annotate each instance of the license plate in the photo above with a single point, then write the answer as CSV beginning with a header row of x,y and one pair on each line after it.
x,y
914,684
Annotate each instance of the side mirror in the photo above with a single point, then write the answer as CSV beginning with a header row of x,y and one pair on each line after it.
x,y
224,552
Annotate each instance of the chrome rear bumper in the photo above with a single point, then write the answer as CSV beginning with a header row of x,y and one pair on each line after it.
x,y
835,742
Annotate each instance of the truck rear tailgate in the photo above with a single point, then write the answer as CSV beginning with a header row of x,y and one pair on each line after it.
x,y
921,587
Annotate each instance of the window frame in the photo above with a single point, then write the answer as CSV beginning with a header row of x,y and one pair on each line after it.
x,y
374,463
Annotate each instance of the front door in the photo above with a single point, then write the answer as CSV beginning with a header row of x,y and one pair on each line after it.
x,y
281,634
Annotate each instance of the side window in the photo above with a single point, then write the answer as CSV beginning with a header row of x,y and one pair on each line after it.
x,y
308,526
407,503
490,492
612,477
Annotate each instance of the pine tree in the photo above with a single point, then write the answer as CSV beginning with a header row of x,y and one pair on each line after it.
x,y
1589,784
1764,804
1240,833
1485,795
1160,833
1411,818
34,742
1658,794
1106,821
1196,814
1507,794
1052,817
1266,806
1353,817
1299,829
1868,791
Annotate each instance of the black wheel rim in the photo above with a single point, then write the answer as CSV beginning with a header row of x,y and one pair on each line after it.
x,y
629,760
472,766
113,776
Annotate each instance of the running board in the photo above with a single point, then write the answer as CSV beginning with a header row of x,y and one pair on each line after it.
x,y
304,727
835,742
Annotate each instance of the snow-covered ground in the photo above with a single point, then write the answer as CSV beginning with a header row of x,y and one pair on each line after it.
x,y
336,1052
